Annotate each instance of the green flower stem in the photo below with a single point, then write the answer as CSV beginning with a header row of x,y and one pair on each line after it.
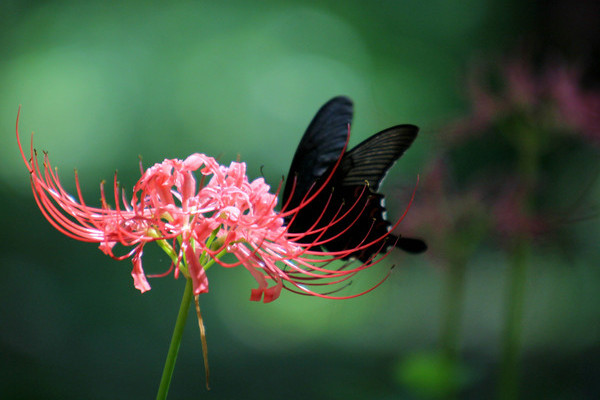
x,y
453,299
166,247
513,324
165,381
451,319
530,146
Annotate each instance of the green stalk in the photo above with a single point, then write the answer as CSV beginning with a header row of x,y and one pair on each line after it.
x,y
165,381
513,324
451,320
529,146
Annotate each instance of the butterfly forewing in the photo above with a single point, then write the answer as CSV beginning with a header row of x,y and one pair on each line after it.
x,y
320,147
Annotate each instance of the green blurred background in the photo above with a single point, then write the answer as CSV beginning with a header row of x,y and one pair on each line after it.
x,y
101,83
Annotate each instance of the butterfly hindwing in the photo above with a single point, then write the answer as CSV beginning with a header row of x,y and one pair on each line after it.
x,y
370,160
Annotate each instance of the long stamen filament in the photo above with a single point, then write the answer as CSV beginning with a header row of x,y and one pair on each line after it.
x,y
203,340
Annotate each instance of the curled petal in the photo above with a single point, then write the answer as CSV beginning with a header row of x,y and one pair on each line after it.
x,y
196,270
139,278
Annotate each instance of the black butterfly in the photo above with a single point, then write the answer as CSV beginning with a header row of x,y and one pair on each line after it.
x,y
351,190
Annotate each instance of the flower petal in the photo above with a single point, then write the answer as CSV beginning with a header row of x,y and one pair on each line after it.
x,y
139,278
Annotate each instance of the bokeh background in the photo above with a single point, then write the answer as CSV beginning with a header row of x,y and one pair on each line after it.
x,y
102,83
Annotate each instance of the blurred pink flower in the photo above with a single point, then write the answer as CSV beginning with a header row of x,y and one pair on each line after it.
x,y
196,223
578,109
551,97
453,221
509,217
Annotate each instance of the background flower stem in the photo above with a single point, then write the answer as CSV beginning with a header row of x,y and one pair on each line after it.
x,y
529,145
165,381
451,319
511,337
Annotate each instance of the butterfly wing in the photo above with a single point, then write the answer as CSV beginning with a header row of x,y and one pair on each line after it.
x,y
345,194
320,147
369,161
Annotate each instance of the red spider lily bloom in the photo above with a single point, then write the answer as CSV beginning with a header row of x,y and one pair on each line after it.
x,y
196,223
552,95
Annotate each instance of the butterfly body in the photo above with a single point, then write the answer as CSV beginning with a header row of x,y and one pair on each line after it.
x,y
345,211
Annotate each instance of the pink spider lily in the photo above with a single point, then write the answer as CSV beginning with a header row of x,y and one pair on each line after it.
x,y
197,223
552,96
